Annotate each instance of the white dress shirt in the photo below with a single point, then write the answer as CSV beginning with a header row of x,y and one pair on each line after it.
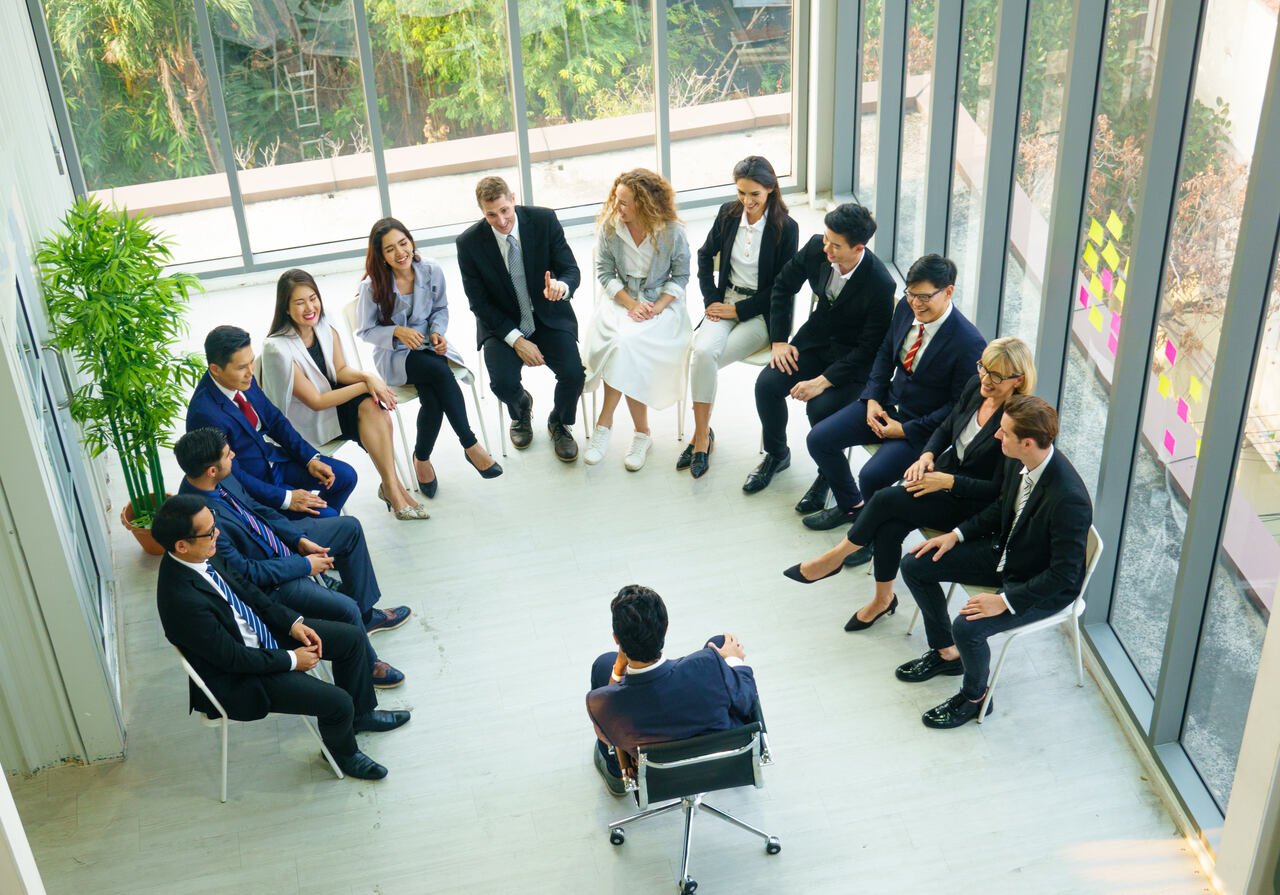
x,y
247,634
744,256
930,330
231,396
504,247
839,280
968,433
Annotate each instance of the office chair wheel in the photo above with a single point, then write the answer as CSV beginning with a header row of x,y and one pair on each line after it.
x,y
773,846
616,836
689,886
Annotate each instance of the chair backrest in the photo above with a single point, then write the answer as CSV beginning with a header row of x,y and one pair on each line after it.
x,y
199,682
1092,553
714,761
350,316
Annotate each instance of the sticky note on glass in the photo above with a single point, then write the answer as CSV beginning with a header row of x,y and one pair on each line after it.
x,y
1115,323
1197,447
1126,269
1169,442
1090,256
1196,389
1170,352
1095,286
1114,225
1112,344
1183,407
1164,386
1084,297
1111,256
1106,280
1095,231
1118,291
1095,317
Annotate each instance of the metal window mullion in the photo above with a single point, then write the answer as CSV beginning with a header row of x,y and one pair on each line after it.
x,y
224,128
1157,197
800,80
57,99
661,86
1070,191
893,73
519,101
848,96
944,92
367,78
1226,411
1002,156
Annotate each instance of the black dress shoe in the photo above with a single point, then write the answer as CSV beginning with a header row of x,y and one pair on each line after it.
x,y
686,457
701,461
764,473
379,721
566,447
615,784
360,766
492,471
954,712
815,498
856,624
522,425
831,517
859,557
795,574
931,664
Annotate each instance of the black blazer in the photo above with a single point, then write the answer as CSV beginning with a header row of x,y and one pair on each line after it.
x,y
924,397
198,621
1045,566
488,285
774,252
978,475
843,334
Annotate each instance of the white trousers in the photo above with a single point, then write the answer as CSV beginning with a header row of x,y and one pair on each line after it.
x,y
718,343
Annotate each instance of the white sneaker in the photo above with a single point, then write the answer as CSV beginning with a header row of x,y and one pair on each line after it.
x,y
640,445
598,446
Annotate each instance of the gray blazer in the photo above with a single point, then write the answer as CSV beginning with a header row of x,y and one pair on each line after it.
x,y
427,311
668,274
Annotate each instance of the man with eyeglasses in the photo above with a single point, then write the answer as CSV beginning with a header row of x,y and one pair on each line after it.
x,y
919,372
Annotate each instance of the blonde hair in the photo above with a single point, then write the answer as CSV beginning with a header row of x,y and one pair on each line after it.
x,y
1010,356
490,188
655,200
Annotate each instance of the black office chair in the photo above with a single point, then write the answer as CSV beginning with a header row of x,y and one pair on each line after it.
x,y
686,770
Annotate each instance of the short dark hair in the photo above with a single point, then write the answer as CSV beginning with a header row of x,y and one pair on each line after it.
x,y
173,522
222,342
1032,418
199,449
935,269
639,622
852,221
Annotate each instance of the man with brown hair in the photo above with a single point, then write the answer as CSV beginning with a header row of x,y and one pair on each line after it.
x,y
519,274
1028,547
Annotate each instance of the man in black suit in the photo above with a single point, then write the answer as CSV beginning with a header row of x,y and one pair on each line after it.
x,y
1028,546
523,314
827,363
249,649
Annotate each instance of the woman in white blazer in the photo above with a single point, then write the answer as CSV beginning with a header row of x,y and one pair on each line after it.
x,y
305,374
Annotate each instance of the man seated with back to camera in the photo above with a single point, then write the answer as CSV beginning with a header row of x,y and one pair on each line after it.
x,y
638,696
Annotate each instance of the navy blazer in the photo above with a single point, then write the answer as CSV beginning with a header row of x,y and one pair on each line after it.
x,y
978,475
774,253
1045,565
926,395
700,693
488,285
240,549
255,455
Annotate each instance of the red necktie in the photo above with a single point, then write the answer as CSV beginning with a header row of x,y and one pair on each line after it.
x,y
247,409
910,359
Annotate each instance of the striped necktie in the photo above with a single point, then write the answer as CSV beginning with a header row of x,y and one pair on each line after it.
x,y
1024,494
263,533
910,360
265,639
515,269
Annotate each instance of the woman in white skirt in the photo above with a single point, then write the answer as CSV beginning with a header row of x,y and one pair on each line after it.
x,y
640,334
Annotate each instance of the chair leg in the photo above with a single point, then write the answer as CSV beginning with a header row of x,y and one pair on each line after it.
x,y
408,451
480,373
724,815
680,411
1075,635
915,617
328,756
995,676
586,420
649,812
484,431
224,758
690,809
502,418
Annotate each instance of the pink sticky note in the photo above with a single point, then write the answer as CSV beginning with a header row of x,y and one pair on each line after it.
x,y
1106,279
1084,297
1170,352
1115,323
1183,407
1112,343
1169,442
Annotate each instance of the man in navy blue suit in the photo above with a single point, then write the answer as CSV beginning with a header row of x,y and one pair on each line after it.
x,y
921,368
279,473
638,696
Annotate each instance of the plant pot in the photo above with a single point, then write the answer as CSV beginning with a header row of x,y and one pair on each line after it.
x,y
143,535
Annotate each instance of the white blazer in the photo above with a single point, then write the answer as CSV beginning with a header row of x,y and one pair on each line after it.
x,y
279,354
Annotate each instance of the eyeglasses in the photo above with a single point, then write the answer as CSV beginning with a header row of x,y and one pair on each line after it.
x,y
995,378
208,534
921,297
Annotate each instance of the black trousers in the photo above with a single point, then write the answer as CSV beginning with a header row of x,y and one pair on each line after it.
x,y
892,513
438,397
774,386
333,705
560,351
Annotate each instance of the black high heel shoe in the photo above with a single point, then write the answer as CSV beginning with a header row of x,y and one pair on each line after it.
x,y
490,472
428,488
795,574
856,624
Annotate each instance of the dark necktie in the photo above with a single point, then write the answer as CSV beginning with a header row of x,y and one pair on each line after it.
x,y
247,409
910,360
265,639
262,532
515,268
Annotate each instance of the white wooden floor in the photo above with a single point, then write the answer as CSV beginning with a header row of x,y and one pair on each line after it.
x,y
492,788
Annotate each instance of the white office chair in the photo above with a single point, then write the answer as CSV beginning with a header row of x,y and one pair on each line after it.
x,y
223,722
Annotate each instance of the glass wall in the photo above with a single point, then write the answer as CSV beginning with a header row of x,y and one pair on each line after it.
x,y
869,115
921,22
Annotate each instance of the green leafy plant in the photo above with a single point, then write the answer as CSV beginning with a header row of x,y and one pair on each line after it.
x,y
114,310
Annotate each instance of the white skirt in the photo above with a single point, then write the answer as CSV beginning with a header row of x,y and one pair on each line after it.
x,y
645,360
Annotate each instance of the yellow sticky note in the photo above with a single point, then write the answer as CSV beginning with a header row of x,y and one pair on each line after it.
x,y
1197,447
1090,256
1196,389
1126,269
1164,386
1095,230
1095,286
1118,291
1114,225
1111,256
1095,317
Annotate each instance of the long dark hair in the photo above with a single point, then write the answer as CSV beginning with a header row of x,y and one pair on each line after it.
x,y
378,270
291,279
757,168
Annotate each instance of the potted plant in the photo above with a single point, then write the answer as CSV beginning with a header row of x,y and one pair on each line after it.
x,y
112,309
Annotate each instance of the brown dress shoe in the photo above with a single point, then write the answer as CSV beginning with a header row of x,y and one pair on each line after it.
x,y
522,425
562,440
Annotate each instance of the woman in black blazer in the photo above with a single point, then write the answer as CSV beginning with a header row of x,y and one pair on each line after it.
x,y
955,477
753,237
